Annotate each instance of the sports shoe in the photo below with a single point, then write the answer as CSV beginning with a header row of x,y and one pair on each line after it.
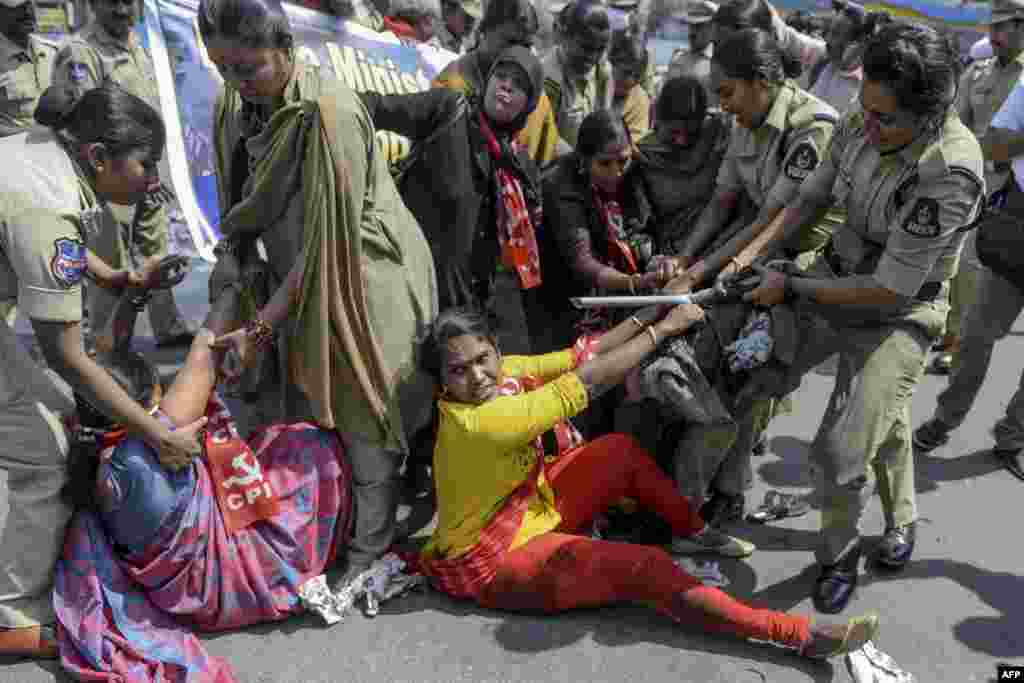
x,y
713,541
931,435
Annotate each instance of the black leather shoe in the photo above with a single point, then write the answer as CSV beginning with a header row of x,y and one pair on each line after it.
x,y
897,546
836,584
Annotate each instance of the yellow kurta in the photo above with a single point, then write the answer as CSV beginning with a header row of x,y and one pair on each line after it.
x,y
484,453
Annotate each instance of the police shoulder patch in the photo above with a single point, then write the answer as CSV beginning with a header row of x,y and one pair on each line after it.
x,y
923,219
802,162
68,263
76,72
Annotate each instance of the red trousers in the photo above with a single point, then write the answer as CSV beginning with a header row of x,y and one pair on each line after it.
x,y
559,570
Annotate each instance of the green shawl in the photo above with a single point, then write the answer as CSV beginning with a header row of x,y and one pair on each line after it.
x,y
333,348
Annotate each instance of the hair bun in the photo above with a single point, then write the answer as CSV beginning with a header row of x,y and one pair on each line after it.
x,y
57,106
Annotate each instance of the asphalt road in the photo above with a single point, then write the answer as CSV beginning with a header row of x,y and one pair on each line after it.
x,y
951,616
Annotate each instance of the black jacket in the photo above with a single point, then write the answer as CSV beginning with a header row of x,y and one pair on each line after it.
x,y
450,188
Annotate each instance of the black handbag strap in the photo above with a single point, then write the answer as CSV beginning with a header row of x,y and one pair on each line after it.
x,y
402,166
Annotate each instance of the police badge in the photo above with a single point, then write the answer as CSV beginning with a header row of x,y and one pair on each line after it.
x,y
923,220
68,264
802,162
76,72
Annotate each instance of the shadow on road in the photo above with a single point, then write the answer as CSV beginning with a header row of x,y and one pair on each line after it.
x,y
613,627
996,636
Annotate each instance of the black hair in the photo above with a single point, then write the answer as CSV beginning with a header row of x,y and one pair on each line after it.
x,y
109,114
450,324
918,65
865,24
598,129
752,54
808,23
741,14
682,98
500,12
253,23
139,379
583,17
629,51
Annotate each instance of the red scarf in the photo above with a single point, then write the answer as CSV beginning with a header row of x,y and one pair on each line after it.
x,y
516,236
402,29
619,255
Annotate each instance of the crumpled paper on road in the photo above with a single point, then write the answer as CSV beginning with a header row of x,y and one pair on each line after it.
x,y
871,665
381,582
708,571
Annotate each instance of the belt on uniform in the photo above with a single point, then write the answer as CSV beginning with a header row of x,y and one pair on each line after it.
x,y
929,291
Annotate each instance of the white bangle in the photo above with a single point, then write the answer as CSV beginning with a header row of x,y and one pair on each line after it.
x,y
654,335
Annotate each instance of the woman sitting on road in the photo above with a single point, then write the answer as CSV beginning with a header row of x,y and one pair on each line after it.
x,y
226,542
510,505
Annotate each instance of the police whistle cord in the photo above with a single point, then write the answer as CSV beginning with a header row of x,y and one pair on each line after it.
x,y
722,292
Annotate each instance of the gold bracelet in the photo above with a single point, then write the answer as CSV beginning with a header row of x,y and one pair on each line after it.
x,y
259,331
654,335
636,321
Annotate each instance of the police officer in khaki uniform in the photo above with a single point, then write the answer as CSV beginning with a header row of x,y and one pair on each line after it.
x,y
48,211
996,302
577,77
695,60
780,136
26,62
983,89
25,65
109,50
911,177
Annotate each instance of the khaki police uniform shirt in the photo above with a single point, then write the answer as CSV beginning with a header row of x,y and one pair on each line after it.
x,y
572,99
24,75
771,162
983,88
93,57
42,248
904,208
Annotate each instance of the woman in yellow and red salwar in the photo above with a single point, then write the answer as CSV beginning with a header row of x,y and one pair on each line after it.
x,y
509,514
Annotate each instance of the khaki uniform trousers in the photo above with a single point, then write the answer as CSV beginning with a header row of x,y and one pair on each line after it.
x,y
997,307
864,440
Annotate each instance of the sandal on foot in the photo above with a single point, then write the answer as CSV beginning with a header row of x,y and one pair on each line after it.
x,y
931,435
778,505
836,640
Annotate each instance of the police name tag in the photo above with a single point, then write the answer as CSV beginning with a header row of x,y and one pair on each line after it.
x,y
802,162
923,220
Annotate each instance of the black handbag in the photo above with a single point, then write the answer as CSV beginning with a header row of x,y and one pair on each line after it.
x,y
1000,239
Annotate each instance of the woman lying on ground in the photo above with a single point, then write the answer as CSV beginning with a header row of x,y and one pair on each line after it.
x,y
227,542
510,507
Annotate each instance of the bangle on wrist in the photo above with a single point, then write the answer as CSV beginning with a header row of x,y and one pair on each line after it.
x,y
636,321
736,262
259,332
632,284
654,334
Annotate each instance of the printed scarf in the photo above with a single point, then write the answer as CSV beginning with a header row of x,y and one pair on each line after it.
x,y
516,235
